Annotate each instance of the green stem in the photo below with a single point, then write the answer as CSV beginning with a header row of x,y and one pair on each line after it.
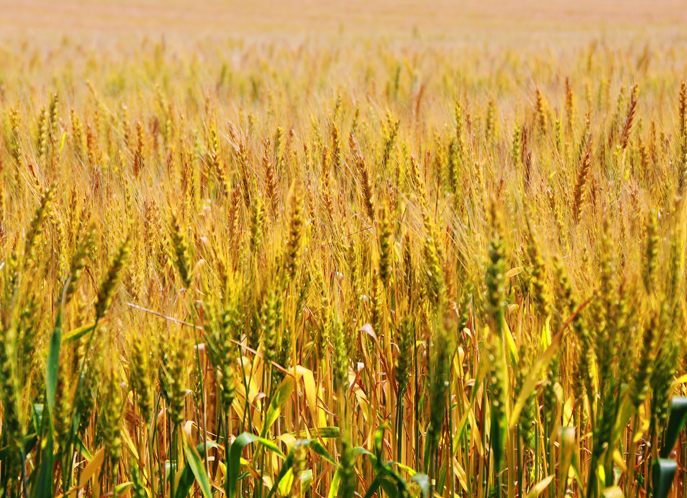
x,y
417,402
399,427
23,474
226,451
521,482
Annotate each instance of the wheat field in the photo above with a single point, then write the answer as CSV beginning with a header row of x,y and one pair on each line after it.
x,y
325,250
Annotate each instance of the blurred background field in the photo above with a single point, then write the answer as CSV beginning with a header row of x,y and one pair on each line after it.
x,y
482,20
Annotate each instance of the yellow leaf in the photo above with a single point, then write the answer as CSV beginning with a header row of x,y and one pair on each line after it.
x,y
568,412
510,343
130,446
643,425
461,475
679,381
613,492
546,334
288,439
477,441
78,332
92,466
601,472
625,412
538,488
311,396
286,483
618,459
188,428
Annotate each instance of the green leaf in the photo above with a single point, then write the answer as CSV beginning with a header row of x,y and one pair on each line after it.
x,y
334,486
530,382
79,444
355,453
285,469
376,483
210,445
43,485
566,440
234,462
29,443
319,448
498,438
53,365
422,480
379,437
411,471
327,432
285,484
44,482
196,465
321,432
187,477
314,445
37,417
120,488
281,396
441,478
663,475
186,480
306,479
391,482
676,422
359,450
